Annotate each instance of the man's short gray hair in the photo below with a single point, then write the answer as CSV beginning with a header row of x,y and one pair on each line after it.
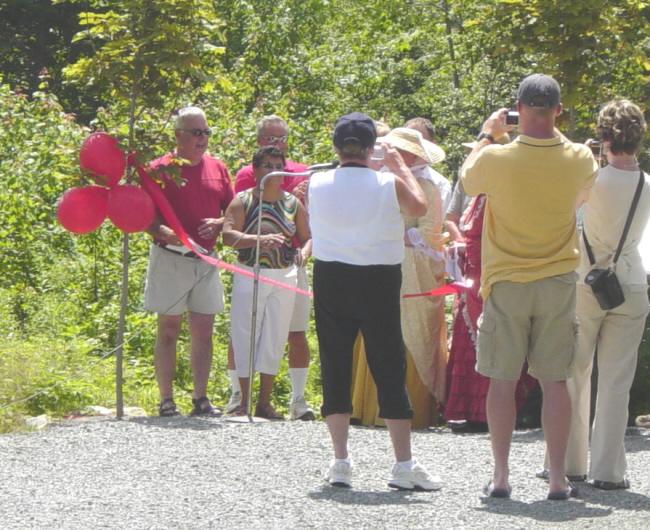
x,y
270,120
186,113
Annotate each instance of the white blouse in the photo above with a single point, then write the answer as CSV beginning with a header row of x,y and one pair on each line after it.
x,y
355,217
605,214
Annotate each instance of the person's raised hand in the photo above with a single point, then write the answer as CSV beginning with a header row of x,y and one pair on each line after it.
x,y
496,126
300,190
393,159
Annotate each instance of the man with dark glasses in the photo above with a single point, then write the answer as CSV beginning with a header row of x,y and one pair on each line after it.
x,y
177,281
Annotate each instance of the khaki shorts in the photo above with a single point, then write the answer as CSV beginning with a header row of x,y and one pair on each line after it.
x,y
301,304
176,284
534,322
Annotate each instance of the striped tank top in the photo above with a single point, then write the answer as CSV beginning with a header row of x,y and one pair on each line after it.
x,y
278,217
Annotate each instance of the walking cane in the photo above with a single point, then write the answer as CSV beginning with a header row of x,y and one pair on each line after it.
x,y
256,268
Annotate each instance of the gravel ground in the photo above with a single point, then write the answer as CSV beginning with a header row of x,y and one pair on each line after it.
x,y
205,473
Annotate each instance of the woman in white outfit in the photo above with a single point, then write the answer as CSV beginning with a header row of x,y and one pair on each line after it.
x,y
613,335
283,218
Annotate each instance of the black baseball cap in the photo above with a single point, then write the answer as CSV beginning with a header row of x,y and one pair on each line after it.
x,y
539,90
354,128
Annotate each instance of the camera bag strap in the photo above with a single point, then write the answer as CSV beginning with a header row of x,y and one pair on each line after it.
x,y
628,222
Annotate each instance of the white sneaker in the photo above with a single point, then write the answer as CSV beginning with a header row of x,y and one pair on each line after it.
x,y
417,478
340,474
234,402
299,410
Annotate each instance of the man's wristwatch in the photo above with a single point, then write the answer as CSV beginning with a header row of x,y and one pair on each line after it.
x,y
486,136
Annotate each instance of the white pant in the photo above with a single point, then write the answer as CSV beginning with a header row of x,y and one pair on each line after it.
x,y
616,335
274,310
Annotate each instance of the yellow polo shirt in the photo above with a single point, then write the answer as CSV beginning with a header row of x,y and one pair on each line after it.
x,y
529,230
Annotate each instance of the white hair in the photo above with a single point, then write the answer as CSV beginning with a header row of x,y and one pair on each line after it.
x,y
185,113
269,120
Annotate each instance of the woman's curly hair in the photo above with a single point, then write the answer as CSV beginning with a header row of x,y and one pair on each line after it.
x,y
621,123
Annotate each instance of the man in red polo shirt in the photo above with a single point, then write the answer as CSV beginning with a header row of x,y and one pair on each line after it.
x,y
177,280
273,130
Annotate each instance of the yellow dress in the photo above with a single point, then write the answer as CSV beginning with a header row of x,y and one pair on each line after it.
x,y
423,327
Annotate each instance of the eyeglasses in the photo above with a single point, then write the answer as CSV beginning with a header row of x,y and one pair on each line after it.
x,y
277,167
275,139
198,132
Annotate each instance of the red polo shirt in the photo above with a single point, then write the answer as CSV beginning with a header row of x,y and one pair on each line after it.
x,y
206,194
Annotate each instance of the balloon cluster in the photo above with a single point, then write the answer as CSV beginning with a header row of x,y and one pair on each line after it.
x,y
82,210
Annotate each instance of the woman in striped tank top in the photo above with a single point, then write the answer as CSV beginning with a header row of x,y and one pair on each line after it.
x,y
283,219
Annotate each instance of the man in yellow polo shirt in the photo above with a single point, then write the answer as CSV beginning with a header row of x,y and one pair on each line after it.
x,y
529,254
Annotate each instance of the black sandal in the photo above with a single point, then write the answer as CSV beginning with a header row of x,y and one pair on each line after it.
x,y
167,408
563,495
203,407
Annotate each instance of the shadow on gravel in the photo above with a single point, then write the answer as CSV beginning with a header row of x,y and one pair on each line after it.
x,y
179,422
368,498
543,510
529,436
619,499
637,440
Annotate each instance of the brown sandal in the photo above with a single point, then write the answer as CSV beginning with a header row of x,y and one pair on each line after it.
x,y
267,412
167,408
240,410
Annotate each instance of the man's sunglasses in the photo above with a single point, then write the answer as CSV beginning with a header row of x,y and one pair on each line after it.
x,y
275,139
198,132
277,167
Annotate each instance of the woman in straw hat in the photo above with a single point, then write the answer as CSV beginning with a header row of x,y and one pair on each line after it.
x,y
423,319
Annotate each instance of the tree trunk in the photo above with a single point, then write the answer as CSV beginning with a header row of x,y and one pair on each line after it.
x,y
450,43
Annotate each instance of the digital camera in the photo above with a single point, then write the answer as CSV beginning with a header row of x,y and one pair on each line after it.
x,y
377,152
595,146
512,118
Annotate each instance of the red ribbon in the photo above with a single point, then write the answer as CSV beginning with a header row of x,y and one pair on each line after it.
x,y
161,202
450,288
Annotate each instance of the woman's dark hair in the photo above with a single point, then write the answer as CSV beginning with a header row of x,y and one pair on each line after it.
x,y
270,151
353,150
621,123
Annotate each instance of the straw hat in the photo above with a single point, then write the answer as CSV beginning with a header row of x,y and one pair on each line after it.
x,y
411,141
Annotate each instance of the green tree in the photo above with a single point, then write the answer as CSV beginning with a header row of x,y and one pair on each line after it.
x,y
35,40
595,48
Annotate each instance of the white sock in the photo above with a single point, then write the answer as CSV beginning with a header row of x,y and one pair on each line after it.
x,y
234,381
406,464
298,378
347,460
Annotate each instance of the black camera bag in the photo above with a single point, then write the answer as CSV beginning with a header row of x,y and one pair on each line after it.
x,y
606,288
603,282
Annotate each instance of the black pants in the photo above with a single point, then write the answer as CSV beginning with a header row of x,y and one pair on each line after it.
x,y
349,298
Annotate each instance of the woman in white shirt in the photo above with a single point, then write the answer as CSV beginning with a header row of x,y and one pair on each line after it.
x,y
613,335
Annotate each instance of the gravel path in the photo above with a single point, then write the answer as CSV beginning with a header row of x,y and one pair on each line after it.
x,y
206,473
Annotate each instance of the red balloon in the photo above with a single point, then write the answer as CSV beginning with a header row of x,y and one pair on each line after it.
x,y
82,210
130,208
101,155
